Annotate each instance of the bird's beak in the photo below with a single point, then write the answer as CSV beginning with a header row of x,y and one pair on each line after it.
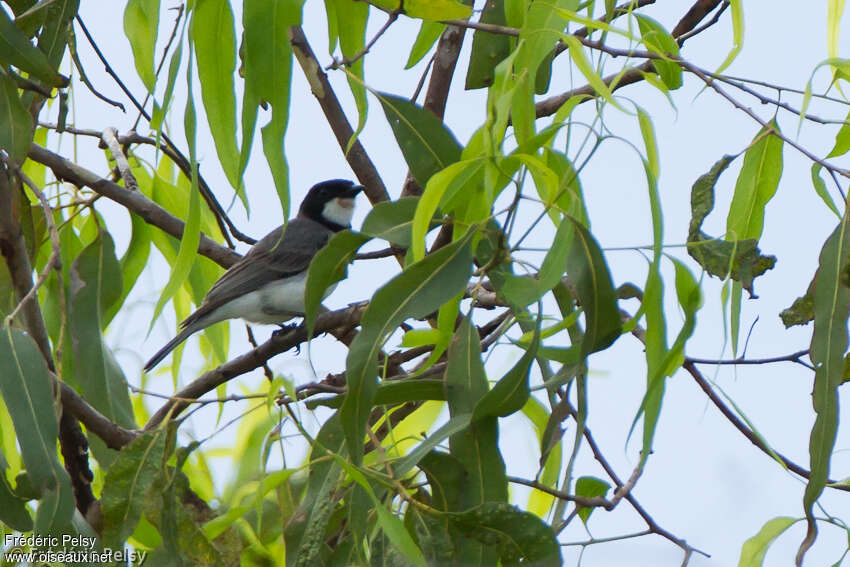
x,y
355,189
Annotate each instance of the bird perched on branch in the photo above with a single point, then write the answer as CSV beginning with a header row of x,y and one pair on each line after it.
x,y
267,284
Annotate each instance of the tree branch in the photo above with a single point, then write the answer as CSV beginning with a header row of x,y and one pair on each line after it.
x,y
134,201
688,22
357,157
278,343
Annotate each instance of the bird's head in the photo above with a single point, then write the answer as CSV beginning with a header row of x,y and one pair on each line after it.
x,y
331,203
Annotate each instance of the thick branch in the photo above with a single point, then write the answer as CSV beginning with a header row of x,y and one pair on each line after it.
x,y
357,157
133,200
111,433
278,343
14,250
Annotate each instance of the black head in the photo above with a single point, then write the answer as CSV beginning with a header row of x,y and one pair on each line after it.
x,y
331,203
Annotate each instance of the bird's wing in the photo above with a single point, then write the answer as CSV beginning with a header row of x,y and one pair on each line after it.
x,y
272,258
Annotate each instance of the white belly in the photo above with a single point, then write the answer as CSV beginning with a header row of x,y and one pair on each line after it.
x,y
275,302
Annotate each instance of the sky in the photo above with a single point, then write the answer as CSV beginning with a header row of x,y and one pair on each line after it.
x,y
705,482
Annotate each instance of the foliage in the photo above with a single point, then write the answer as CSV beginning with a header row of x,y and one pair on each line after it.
x,y
495,247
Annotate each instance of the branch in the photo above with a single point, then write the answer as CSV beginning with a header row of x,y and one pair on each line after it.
x,y
689,21
393,16
356,156
711,83
55,253
650,522
110,140
582,501
278,343
443,66
14,249
793,357
747,432
134,201
183,163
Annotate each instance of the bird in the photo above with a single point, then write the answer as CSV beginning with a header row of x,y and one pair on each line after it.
x,y
267,284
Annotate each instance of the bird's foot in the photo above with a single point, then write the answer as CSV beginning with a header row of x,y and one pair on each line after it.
x,y
284,329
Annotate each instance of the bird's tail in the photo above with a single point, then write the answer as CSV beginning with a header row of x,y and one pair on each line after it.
x,y
172,344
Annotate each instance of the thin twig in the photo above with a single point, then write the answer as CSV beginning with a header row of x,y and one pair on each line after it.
x,y
337,63
165,50
110,139
183,163
793,357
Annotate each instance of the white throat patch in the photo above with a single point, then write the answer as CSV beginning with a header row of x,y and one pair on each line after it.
x,y
339,210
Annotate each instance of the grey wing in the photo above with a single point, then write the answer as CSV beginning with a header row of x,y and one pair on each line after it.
x,y
272,258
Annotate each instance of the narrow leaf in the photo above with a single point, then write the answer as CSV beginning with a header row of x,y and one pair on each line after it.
x,y
426,143
755,548
419,290
212,34
141,22
16,49
829,343
15,121
327,267
129,485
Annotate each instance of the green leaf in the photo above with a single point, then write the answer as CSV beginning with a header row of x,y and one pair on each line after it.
x,y
15,122
192,230
426,143
16,49
133,261
268,74
215,45
740,260
304,533
427,9
587,269
590,487
130,483
391,525
429,33
829,343
456,178
25,378
455,425
549,432
756,185
737,11
95,279
327,267
141,22
392,221
419,290
394,393
13,508
55,32
842,139
488,49
352,18
755,548
659,40
511,392
820,189
518,537
582,63
476,447
801,311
